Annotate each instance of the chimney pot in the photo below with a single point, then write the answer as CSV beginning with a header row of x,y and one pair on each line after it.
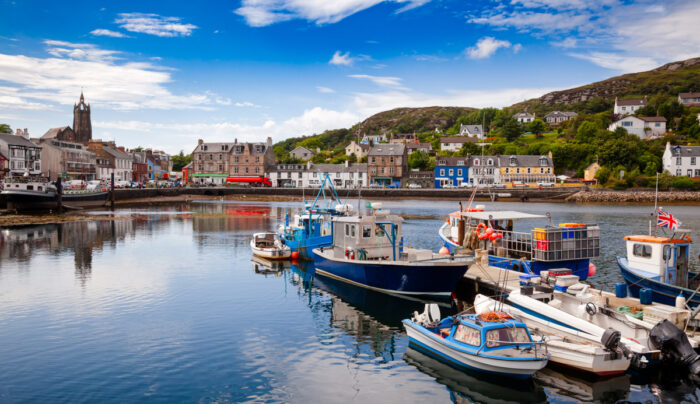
x,y
199,142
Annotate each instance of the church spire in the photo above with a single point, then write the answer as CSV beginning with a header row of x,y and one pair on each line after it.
x,y
82,99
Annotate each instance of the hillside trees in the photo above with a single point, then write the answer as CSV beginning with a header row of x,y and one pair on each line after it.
x,y
419,160
5,128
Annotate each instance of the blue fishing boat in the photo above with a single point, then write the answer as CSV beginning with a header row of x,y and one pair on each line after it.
x,y
367,251
311,228
566,247
660,264
492,342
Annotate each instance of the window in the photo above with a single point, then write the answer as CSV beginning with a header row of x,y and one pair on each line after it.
x,y
528,170
352,230
517,170
641,250
460,163
692,161
467,335
697,173
442,172
211,157
627,124
391,159
624,108
690,173
657,124
459,172
489,162
678,172
476,162
246,170
366,231
506,336
513,161
451,172
374,160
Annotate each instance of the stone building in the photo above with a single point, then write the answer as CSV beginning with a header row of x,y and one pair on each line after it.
x,y
210,162
251,159
82,126
387,164
111,159
22,155
68,160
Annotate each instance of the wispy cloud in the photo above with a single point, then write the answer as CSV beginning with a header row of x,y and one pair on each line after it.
x,y
383,81
154,24
487,46
246,104
625,64
107,79
344,59
325,90
259,13
106,32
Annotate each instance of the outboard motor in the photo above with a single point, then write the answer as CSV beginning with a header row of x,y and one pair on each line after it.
x,y
674,345
611,341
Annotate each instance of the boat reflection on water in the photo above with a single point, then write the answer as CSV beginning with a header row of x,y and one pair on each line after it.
x,y
267,267
466,386
580,388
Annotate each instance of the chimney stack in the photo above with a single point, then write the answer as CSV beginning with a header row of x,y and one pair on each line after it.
x,y
199,142
269,141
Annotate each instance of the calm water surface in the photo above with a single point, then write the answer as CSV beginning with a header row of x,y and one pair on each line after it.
x,y
166,305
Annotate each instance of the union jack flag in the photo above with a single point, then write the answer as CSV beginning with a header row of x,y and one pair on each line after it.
x,y
664,219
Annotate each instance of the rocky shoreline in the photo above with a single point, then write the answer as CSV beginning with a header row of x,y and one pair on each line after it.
x,y
632,196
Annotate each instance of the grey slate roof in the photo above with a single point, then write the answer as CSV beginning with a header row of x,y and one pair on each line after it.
x,y
652,118
689,95
452,161
459,139
416,146
116,153
523,115
631,101
558,114
473,129
53,132
388,149
685,151
213,147
335,168
16,140
525,160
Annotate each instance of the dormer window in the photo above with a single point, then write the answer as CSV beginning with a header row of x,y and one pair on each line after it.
x,y
460,163
476,162
489,162
513,161
543,161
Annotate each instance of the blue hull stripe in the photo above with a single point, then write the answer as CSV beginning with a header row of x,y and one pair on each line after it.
x,y
661,292
459,365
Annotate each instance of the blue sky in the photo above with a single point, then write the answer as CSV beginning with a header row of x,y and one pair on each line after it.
x,y
163,74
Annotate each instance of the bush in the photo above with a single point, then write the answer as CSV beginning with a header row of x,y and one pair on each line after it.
x,y
618,185
682,183
641,181
603,175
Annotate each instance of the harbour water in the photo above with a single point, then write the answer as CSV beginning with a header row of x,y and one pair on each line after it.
x,y
166,305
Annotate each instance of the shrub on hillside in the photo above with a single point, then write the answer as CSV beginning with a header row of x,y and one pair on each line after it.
x,y
682,183
641,181
618,185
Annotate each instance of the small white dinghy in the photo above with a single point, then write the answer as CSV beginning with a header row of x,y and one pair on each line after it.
x,y
270,246
578,353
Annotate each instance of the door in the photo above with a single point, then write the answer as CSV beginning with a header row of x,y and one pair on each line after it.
x,y
682,266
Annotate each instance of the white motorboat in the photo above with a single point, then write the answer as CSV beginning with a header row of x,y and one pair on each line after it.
x,y
574,352
270,246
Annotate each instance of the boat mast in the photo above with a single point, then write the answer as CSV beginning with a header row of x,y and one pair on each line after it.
x,y
656,203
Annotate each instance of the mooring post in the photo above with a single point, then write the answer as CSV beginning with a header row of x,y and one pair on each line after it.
x,y
111,192
59,195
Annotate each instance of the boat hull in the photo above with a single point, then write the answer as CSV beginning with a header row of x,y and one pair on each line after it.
x,y
28,200
661,292
306,246
270,253
435,280
435,346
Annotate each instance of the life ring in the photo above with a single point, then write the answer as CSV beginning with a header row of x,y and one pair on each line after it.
x,y
479,234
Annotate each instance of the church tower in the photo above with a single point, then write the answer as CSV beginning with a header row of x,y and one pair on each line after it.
x,y
81,121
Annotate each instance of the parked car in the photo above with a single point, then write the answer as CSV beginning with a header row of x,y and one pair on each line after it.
x,y
519,184
545,184
376,185
448,185
468,185
96,185
414,186
288,185
394,186
121,184
498,185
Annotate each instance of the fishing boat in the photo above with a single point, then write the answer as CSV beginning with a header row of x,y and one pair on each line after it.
x,y
492,342
367,250
575,352
30,193
269,246
568,246
311,228
660,264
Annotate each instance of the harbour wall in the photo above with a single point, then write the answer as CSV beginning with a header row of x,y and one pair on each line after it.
x,y
633,196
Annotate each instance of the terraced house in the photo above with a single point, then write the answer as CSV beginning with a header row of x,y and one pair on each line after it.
x,y
251,159
451,171
387,164
210,162
527,169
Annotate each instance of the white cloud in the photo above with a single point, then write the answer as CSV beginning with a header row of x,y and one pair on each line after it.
x,y
154,24
486,47
259,13
106,80
383,81
106,32
623,36
341,59
325,90
625,64
246,104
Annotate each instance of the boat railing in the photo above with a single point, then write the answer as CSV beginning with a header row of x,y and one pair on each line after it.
x,y
566,243
514,244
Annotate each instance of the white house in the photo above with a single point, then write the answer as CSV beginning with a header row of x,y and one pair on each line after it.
x,y
484,170
689,99
374,139
454,144
302,153
629,106
682,160
348,175
472,130
23,155
524,117
645,127
360,150
557,117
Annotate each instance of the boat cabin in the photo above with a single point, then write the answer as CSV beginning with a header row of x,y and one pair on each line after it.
x,y
664,258
368,237
476,332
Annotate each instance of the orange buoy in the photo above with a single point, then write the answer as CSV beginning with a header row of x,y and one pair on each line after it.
x,y
444,251
295,255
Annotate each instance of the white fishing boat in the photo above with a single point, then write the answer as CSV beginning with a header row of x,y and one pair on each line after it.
x,y
269,245
578,353
490,342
